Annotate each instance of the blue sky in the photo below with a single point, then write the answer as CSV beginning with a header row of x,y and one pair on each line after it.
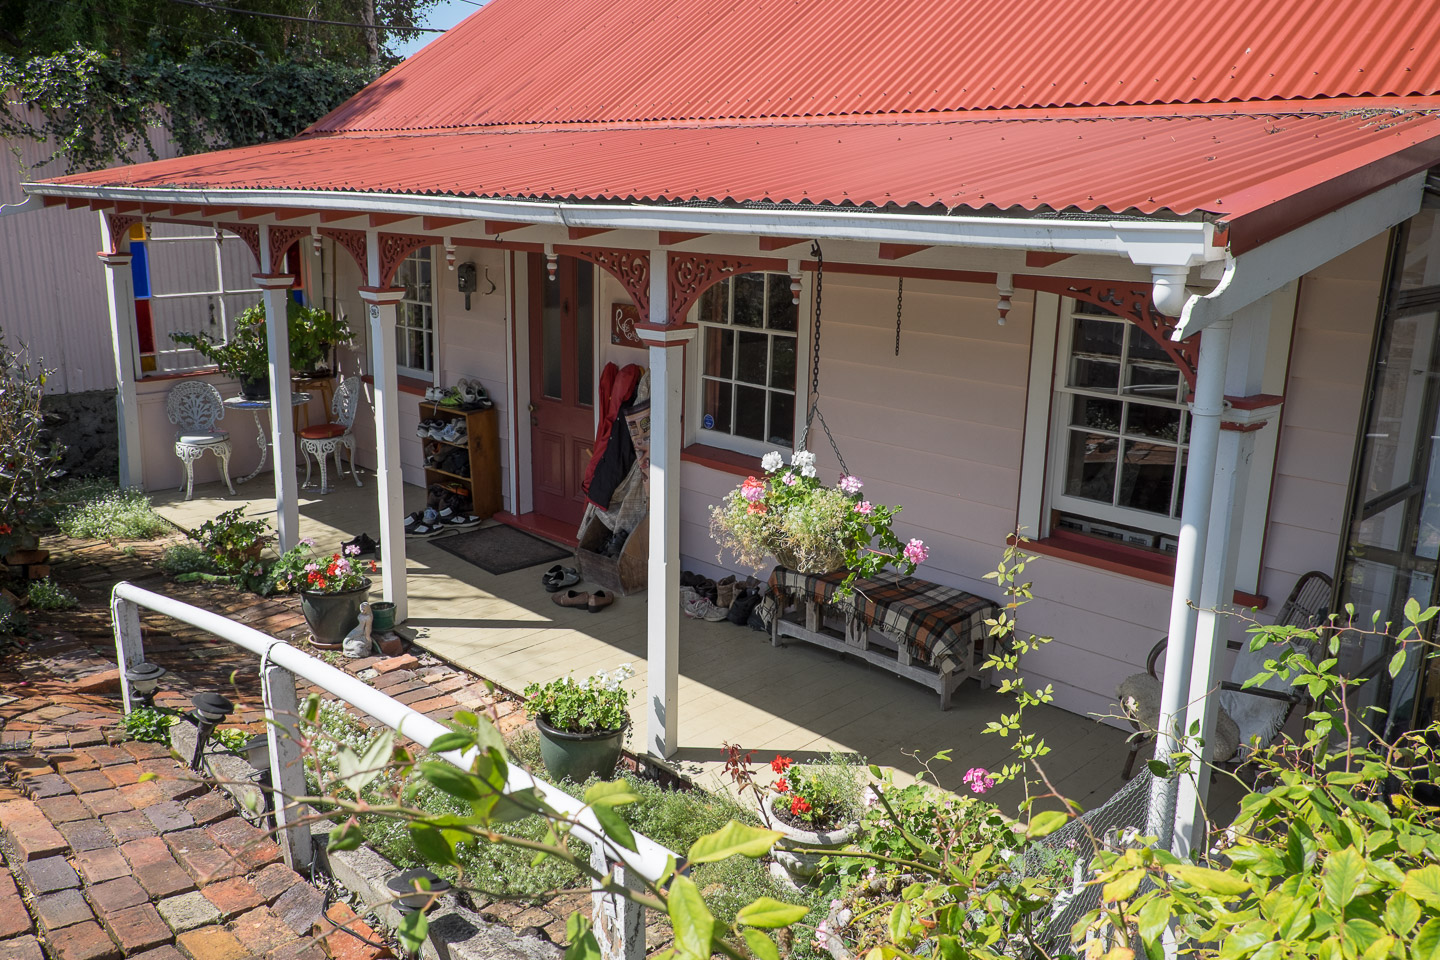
x,y
444,14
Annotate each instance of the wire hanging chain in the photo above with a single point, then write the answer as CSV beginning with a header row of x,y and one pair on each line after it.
x,y
814,413
899,311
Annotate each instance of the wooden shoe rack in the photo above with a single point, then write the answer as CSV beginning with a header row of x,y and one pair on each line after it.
x,y
482,443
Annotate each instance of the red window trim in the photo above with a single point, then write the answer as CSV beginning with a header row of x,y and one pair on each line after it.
x,y
1118,558
718,458
406,384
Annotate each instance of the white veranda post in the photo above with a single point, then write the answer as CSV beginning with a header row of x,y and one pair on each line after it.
x,y
120,289
282,431
380,307
667,372
1247,410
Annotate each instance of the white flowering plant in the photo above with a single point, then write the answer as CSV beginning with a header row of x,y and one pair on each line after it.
x,y
791,516
599,702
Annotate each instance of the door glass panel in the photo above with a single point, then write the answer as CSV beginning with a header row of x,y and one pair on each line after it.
x,y
585,333
552,347
1401,375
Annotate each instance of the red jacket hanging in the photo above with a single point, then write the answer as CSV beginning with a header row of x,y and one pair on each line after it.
x,y
617,386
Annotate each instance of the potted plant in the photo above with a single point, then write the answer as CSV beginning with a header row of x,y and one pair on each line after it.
x,y
331,589
809,527
246,355
313,332
582,725
817,806
235,544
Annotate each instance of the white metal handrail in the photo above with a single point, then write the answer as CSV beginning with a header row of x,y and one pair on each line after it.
x,y
281,663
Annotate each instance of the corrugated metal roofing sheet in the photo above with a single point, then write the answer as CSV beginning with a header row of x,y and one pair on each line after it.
x,y
1222,166
560,61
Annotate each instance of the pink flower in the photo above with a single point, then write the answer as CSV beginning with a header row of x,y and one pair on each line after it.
x,y
916,551
864,508
312,567
752,489
850,485
790,480
351,549
979,781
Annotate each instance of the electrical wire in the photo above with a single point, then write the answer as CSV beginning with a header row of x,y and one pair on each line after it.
x,y
286,16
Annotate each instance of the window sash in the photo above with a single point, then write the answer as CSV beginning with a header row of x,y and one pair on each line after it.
x,y
415,345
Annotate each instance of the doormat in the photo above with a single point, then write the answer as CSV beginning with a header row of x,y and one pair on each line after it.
x,y
502,549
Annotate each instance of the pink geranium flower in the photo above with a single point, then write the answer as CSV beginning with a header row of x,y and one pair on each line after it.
x,y
850,485
865,508
916,551
979,781
752,489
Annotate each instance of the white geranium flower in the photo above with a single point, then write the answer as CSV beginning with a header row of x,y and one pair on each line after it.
x,y
772,461
804,461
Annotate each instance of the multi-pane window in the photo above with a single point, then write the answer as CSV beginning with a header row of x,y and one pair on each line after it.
x,y
749,331
1121,429
415,316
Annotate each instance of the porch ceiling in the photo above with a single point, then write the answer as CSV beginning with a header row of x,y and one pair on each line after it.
x,y
1229,167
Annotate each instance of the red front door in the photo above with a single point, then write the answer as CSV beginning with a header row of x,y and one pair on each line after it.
x,y
562,385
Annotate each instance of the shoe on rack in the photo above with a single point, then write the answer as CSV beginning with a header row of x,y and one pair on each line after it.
x,y
422,429
599,600
454,432
615,544
559,577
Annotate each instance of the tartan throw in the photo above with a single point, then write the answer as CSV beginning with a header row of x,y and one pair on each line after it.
x,y
936,621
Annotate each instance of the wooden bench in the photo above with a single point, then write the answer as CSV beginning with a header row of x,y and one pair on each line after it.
x,y
913,628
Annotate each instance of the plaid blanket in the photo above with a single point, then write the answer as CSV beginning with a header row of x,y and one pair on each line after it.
x,y
935,620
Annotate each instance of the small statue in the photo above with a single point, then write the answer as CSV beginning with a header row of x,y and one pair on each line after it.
x,y
357,642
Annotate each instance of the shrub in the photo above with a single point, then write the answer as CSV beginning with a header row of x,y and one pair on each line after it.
x,y
149,725
182,558
113,515
48,595
30,455
234,544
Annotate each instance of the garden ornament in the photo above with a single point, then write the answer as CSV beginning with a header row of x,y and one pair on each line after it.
x,y
357,642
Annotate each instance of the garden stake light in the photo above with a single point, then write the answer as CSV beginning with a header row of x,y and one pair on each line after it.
x,y
210,710
144,677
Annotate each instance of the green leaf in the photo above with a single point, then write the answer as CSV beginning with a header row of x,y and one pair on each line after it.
x,y
1412,610
432,845
450,779
1045,823
580,934
1342,876
733,839
694,926
1402,913
769,913
451,741
412,930
1211,881
611,794
359,772
1397,663
1427,942
347,837
1423,884
1153,917
760,945
614,826
899,922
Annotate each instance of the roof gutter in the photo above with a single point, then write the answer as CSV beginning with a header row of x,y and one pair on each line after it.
x,y
1144,242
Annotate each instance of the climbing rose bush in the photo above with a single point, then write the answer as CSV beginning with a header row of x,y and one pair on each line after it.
x,y
790,515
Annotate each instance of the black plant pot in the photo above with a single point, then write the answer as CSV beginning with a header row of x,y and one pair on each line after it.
x,y
256,389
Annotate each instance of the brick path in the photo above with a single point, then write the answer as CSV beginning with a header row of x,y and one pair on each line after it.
x,y
151,868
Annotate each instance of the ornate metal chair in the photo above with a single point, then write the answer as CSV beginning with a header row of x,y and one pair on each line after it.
x,y
194,407
323,440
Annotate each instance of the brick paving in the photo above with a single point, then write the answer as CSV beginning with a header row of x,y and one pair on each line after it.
x,y
166,867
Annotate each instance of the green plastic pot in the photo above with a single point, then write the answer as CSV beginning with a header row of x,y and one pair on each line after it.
x,y
332,615
384,612
579,756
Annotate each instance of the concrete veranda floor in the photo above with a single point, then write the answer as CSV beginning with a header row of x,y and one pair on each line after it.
x,y
735,687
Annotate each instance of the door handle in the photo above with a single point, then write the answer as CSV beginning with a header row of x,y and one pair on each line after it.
x,y
532,406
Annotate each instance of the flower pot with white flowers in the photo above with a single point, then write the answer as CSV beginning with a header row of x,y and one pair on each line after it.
x,y
808,527
582,724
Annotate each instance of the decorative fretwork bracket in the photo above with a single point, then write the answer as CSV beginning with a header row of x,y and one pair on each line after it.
x,y
394,248
119,225
249,234
630,267
691,274
353,242
281,240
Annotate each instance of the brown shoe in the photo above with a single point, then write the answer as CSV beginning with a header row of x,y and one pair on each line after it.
x,y
725,592
571,598
599,600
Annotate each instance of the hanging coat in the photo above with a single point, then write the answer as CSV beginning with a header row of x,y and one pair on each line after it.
x,y
617,387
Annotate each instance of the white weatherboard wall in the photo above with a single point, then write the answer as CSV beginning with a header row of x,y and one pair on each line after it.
x,y
940,429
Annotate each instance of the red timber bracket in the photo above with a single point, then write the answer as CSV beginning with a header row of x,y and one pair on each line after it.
x,y
352,241
249,233
630,267
394,248
691,274
281,240
119,226
1131,301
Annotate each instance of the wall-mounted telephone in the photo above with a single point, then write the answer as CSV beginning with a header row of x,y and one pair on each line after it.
x,y
465,276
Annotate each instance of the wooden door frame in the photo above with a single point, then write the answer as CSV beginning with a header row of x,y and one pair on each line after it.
x,y
518,330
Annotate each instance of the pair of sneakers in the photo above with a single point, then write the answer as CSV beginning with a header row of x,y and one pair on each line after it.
x,y
430,521
697,606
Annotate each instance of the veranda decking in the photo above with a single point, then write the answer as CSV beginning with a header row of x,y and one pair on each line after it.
x,y
735,687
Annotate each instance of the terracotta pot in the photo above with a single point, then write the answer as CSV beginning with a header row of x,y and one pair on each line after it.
x,y
799,864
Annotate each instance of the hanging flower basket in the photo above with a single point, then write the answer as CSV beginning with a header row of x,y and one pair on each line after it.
x,y
809,527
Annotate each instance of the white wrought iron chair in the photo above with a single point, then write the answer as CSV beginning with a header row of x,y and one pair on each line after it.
x,y
325,439
194,407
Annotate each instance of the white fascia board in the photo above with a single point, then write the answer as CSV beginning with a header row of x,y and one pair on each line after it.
x,y
30,203
1270,266
1144,242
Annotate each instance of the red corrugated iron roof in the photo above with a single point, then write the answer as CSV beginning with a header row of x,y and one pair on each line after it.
x,y
1220,166
564,61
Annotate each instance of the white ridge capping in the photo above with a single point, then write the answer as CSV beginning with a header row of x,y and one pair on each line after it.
x,y
650,860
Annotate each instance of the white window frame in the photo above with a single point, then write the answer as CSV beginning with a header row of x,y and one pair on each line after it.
x,y
404,317
170,357
694,429
1040,461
